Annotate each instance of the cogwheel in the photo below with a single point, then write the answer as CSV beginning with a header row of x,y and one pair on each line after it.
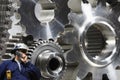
x,y
96,42
5,22
46,18
49,58
10,46
7,9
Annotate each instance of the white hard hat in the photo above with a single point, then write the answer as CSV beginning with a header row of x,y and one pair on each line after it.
x,y
21,46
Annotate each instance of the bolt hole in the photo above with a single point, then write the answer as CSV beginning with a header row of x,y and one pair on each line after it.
x,y
105,77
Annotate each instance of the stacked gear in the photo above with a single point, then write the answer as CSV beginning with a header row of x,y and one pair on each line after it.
x,y
13,6
10,46
7,9
5,22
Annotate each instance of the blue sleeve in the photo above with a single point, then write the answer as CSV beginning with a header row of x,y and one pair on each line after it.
x,y
32,70
3,66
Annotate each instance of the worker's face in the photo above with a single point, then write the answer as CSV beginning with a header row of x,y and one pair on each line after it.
x,y
23,56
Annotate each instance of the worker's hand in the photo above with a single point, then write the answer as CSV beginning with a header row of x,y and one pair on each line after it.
x,y
24,58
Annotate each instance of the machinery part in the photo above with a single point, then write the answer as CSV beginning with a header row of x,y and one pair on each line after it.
x,y
6,11
44,11
9,8
75,5
96,40
48,57
10,46
54,17
16,27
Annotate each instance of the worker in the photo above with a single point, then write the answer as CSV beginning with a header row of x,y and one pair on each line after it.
x,y
19,68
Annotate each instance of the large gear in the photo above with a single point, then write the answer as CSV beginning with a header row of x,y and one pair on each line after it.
x,y
95,40
49,23
49,58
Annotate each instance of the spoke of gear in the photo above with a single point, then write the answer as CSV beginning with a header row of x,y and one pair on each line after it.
x,y
48,57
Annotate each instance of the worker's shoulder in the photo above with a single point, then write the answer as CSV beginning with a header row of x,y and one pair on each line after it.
x,y
7,62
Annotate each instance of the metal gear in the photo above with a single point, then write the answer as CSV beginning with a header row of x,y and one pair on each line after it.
x,y
95,40
49,58
49,23
8,8
6,11
10,46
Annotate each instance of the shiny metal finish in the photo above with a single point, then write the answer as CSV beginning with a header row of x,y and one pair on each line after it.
x,y
49,58
98,43
52,21
88,32
95,40
45,11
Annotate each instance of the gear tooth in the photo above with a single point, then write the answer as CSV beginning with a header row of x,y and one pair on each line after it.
x,y
7,56
31,47
41,42
51,40
30,50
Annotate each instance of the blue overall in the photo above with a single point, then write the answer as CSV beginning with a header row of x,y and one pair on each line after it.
x,y
28,71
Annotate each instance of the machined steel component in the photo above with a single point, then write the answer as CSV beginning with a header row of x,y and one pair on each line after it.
x,y
6,11
10,46
46,18
48,57
95,40
75,5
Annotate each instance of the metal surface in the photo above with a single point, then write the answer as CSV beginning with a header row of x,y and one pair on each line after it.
x,y
95,40
54,17
49,58
88,32
6,12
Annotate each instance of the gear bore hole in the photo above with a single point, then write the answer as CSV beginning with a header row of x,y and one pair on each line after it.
x,y
95,40
54,64
100,41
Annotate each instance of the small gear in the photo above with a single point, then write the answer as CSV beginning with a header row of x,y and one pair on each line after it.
x,y
49,58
